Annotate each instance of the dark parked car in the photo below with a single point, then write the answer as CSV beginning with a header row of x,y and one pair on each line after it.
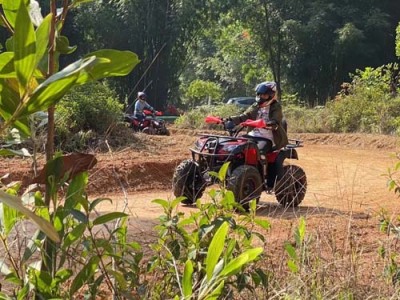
x,y
242,102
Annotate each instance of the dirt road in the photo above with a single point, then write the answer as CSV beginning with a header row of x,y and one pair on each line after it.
x,y
347,183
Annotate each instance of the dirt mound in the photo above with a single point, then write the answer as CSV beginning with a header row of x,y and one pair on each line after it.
x,y
353,140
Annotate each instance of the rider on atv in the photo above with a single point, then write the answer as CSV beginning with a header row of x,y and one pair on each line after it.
x,y
268,108
140,105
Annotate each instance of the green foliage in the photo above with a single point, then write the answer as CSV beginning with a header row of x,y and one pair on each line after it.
x,y
91,107
202,92
369,105
194,118
208,254
302,119
83,257
398,40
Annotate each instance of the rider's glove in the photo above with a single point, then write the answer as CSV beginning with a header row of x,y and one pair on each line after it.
x,y
229,125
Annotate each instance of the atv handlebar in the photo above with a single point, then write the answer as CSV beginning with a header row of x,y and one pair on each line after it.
x,y
234,130
147,112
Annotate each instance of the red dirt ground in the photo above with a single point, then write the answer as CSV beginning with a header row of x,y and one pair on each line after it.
x,y
347,189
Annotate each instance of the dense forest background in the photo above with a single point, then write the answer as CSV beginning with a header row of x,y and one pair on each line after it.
x,y
308,47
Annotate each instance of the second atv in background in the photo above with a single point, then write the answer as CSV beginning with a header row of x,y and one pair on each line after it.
x,y
151,123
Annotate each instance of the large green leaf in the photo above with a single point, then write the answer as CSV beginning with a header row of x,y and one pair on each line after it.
x,y
74,235
215,249
55,87
10,218
109,63
24,47
16,203
109,217
235,265
42,38
10,8
187,279
9,102
7,69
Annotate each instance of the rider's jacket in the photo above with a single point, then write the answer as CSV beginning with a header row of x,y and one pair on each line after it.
x,y
271,112
140,106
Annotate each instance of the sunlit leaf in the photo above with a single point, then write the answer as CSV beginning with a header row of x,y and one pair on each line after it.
x,y
292,266
10,218
222,172
7,69
215,249
10,8
42,38
161,202
24,47
300,232
187,279
265,224
109,217
291,251
8,152
74,235
55,87
109,63
16,203
97,201
235,265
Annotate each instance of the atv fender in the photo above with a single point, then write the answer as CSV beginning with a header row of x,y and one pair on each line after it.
x,y
286,153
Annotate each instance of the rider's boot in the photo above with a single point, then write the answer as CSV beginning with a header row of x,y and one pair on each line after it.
x,y
265,167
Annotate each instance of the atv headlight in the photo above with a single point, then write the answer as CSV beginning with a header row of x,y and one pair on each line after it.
x,y
199,144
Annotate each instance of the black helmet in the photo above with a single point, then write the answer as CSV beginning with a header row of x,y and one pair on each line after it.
x,y
266,87
142,95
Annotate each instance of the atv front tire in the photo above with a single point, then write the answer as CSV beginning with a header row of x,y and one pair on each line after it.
x,y
290,190
188,182
246,184
149,130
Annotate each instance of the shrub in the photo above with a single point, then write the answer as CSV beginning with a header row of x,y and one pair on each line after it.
x,y
84,114
301,119
195,117
90,107
201,92
210,254
369,105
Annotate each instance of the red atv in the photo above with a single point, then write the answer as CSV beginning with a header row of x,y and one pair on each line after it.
x,y
248,175
151,123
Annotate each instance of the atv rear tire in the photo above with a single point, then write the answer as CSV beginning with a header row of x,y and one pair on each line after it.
x,y
188,182
290,190
246,184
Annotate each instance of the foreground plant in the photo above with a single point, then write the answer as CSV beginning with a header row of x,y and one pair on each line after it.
x,y
209,255
93,249
31,82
